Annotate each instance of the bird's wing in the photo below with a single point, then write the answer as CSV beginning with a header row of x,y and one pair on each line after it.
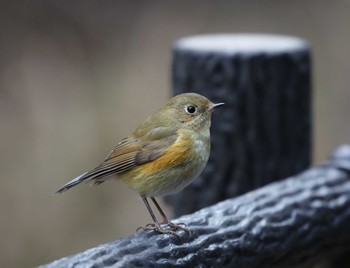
x,y
130,152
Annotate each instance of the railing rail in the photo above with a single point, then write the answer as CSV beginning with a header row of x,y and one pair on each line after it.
x,y
290,223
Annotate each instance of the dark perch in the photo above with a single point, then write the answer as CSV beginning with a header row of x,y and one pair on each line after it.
x,y
290,223
263,133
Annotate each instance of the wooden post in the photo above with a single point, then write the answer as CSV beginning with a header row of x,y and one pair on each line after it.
x,y
263,133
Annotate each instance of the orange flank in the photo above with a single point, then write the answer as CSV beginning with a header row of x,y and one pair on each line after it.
x,y
174,155
173,162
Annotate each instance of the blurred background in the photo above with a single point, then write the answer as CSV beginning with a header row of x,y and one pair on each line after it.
x,y
77,76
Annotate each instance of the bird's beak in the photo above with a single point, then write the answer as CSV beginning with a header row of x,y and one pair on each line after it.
x,y
215,106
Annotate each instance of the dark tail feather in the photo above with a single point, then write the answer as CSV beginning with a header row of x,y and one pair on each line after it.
x,y
72,183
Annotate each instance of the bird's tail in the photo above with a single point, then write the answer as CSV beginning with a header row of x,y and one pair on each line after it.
x,y
72,183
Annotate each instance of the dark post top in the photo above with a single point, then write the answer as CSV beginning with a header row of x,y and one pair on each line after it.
x,y
247,44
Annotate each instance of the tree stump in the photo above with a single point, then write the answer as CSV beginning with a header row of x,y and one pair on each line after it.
x,y
263,133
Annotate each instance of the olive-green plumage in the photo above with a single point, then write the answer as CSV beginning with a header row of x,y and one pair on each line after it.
x,y
164,154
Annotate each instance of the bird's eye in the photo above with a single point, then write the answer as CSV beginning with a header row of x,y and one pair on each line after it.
x,y
191,109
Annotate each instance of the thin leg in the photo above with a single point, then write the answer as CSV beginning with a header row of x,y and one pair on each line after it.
x,y
165,219
155,225
144,199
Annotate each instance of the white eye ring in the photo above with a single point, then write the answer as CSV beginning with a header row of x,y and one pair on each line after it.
x,y
191,109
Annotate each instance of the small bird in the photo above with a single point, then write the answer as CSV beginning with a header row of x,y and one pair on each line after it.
x,y
162,156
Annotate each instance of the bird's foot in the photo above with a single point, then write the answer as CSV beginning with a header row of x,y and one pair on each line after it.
x,y
157,228
179,226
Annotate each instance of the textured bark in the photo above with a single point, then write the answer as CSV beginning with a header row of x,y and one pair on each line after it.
x,y
263,133
291,223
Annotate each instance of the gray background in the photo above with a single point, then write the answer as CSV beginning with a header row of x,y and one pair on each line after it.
x,y
77,76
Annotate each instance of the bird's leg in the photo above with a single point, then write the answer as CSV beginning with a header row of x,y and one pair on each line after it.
x,y
166,221
155,225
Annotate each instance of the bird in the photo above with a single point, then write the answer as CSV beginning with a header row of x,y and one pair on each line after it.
x,y
163,155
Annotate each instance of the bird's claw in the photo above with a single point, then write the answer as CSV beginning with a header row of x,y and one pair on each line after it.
x,y
181,226
157,227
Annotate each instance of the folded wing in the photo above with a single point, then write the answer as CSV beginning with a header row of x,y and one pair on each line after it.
x,y
130,152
